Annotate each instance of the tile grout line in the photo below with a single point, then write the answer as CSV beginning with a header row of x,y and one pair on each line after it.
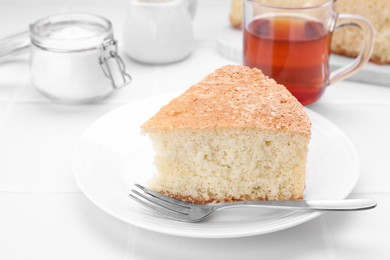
x,y
13,100
38,191
132,233
4,116
358,102
327,238
9,107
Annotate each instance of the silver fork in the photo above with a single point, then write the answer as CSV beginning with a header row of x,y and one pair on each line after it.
x,y
192,212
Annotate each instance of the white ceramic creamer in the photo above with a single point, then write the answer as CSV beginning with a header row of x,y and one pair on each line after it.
x,y
159,31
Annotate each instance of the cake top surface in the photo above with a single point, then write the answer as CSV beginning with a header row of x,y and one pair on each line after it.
x,y
233,97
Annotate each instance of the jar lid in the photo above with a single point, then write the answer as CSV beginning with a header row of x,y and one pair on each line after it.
x,y
70,32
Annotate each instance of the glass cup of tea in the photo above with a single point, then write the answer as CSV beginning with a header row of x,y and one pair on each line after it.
x,y
290,42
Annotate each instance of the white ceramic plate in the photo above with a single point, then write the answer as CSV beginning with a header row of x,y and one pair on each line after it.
x,y
113,155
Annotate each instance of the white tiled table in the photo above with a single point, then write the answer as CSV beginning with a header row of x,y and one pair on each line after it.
x,y
43,214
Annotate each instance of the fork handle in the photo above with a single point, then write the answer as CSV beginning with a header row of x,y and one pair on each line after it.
x,y
322,205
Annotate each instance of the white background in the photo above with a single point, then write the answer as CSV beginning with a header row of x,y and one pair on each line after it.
x,y
43,214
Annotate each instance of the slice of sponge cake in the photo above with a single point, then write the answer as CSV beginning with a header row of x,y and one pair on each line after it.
x,y
235,135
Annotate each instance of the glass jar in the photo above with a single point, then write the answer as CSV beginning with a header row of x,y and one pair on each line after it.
x,y
74,58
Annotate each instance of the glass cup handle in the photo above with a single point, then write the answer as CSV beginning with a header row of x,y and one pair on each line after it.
x,y
366,48
14,44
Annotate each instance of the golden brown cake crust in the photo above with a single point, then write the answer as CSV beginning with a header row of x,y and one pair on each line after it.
x,y
212,200
233,97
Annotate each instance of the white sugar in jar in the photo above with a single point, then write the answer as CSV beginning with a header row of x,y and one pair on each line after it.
x,y
74,58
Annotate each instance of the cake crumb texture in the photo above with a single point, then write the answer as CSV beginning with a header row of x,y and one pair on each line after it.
x,y
233,165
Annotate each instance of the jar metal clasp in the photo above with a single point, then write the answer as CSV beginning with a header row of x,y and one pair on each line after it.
x,y
112,65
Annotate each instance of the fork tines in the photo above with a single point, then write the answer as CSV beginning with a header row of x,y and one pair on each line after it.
x,y
169,207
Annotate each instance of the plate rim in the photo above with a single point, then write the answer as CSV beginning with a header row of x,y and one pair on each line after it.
x,y
297,220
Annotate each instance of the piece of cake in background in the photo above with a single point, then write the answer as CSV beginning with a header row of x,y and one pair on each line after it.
x,y
235,135
346,41
236,13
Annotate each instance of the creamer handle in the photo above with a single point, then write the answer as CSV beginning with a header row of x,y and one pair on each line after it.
x,y
365,52
192,6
